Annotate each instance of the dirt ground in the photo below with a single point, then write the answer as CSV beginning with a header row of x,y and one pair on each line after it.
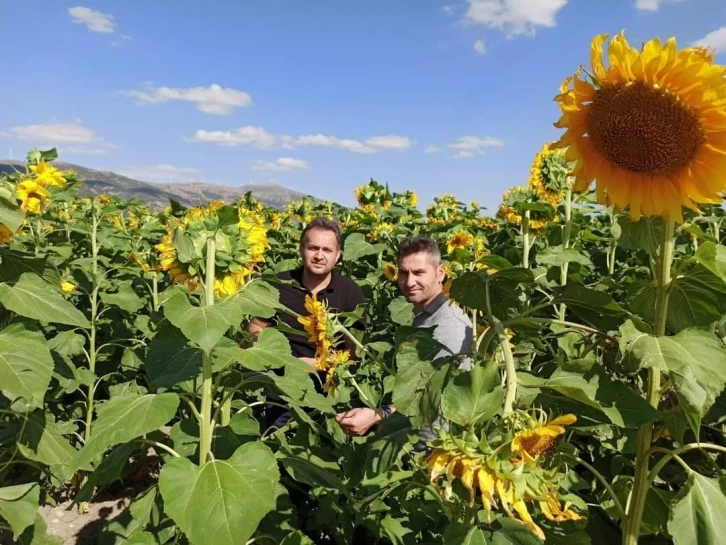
x,y
74,528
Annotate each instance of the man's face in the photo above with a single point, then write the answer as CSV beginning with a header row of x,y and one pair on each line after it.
x,y
420,278
319,251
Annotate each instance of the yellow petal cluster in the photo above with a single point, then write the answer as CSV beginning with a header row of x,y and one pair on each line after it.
x,y
6,235
529,444
46,175
650,127
318,326
32,195
460,240
390,271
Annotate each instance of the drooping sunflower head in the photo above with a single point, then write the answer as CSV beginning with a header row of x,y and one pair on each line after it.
x,y
650,128
508,212
548,177
539,437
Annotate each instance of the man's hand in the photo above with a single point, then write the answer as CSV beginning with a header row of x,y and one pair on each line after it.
x,y
309,361
357,422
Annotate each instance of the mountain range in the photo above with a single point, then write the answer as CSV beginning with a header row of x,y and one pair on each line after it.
x,y
157,195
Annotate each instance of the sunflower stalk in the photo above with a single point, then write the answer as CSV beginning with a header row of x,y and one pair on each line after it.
x,y
525,239
511,388
641,484
205,425
565,244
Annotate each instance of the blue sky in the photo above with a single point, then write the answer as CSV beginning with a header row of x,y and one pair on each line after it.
x,y
318,96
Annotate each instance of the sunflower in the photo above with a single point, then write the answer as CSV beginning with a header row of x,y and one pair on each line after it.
x,y
548,175
460,240
67,287
6,235
390,271
508,213
339,358
530,443
318,325
650,128
46,175
32,195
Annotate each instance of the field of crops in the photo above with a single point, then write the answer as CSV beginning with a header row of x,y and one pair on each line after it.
x,y
594,411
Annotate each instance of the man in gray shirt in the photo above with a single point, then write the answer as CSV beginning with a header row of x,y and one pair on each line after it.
x,y
421,277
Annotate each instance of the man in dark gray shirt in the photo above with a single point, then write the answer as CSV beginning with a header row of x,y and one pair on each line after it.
x,y
421,277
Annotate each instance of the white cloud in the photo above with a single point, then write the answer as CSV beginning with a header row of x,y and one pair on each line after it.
x,y
391,141
652,5
715,40
68,137
480,47
260,138
244,136
515,17
214,99
432,149
94,20
449,9
162,173
282,164
469,146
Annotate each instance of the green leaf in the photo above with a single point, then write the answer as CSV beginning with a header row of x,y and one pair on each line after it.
x,y
594,307
695,360
401,311
222,502
126,528
125,418
172,359
470,289
556,256
473,396
512,532
386,444
698,298
15,263
203,325
184,246
620,403
37,534
125,299
697,511
311,471
32,297
419,381
258,298
11,215
67,343
18,506
297,538
39,442
271,351
713,257
356,246
26,365
639,235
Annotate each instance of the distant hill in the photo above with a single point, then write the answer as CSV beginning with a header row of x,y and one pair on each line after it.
x,y
157,196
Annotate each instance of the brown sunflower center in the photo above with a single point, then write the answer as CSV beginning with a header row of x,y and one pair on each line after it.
x,y
643,129
536,444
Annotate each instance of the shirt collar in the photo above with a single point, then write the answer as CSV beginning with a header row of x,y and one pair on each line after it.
x,y
297,275
435,304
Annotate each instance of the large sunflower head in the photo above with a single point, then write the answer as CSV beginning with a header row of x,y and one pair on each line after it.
x,y
459,240
320,328
650,127
32,196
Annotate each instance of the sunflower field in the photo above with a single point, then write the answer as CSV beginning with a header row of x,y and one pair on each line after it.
x,y
594,411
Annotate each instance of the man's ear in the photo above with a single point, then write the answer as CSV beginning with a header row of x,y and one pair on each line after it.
x,y
441,274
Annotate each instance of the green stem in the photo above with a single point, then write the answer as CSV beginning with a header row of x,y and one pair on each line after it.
x,y
603,481
205,432
94,316
673,453
525,239
511,391
565,244
161,446
155,291
636,502
613,249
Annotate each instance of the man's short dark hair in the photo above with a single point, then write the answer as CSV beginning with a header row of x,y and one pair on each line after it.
x,y
418,244
322,223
